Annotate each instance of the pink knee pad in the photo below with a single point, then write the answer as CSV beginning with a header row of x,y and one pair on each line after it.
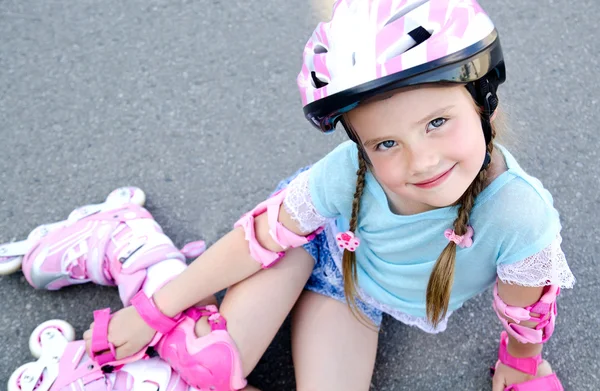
x,y
211,362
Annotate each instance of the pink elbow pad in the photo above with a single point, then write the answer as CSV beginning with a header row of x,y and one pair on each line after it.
x,y
545,307
281,235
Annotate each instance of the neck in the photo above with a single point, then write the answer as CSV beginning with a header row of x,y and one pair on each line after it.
x,y
497,166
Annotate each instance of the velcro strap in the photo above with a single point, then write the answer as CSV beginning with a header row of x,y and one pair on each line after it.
x,y
100,338
151,314
198,312
280,234
524,364
523,334
546,383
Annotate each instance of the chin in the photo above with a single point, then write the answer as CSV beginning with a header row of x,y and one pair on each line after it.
x,y
446,199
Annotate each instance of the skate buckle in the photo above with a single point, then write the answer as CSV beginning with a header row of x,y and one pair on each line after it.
x,y
132,249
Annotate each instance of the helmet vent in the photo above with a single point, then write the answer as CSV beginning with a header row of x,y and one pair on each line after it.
x,y
405,10
420,35
319,49
318,81
414,38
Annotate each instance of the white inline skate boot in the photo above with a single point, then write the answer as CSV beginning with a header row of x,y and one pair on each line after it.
x,y
113,243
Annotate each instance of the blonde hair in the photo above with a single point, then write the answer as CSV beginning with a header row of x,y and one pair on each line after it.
x,y
440,282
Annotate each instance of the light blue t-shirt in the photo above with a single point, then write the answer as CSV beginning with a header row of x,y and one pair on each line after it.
x,y
513,218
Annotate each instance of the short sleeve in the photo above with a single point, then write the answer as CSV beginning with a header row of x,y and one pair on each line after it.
x,y
525,218
299,205
332,181
547,267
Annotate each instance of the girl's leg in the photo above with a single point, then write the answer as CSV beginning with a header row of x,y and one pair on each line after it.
x,y
256,307
332,350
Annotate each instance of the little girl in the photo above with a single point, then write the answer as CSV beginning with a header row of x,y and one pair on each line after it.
x,y
417,213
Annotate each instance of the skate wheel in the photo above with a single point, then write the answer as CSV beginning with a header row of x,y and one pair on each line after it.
x,y
20,380
127,195
9,265
49,330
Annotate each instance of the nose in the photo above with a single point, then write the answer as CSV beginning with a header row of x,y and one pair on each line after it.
x,y
423,158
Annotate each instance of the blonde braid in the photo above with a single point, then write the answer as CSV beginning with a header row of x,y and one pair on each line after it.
x,y
349,258
440,282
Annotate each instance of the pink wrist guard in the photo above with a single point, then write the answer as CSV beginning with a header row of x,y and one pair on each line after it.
x,y
145,306
545,307
281,235
100,339
524,364
527,365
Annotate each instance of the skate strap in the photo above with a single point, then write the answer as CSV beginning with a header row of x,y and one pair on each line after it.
x,y
15,248
100,338
198,312
215,319
546,383
151,314
524,364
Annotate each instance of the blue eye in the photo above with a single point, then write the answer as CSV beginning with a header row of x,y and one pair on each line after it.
x,y
436,123
385,145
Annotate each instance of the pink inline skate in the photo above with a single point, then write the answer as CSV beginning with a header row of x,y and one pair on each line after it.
x,y
119,243
113,243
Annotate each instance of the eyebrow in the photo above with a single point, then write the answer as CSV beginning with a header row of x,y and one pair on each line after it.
x,y
376,141
427,118
434,115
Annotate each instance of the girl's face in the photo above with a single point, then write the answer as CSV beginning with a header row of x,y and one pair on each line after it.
x,y
425,144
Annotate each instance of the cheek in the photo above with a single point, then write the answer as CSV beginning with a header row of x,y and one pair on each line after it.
x,y
390,170
469,135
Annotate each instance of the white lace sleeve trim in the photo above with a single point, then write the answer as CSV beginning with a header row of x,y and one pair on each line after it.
x,y
298,203
548,267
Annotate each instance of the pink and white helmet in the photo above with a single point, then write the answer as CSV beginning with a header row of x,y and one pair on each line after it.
x,y
373,46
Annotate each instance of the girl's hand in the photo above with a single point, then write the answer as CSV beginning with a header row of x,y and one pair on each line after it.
x,y
505,376
127,331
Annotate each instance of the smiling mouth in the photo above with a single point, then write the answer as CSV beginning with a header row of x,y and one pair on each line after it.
x,y
437,180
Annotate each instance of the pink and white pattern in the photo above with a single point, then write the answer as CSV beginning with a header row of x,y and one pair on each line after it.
x,y
367,40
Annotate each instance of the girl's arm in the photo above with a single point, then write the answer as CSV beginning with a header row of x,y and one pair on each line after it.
x,y
506,375
225,263
520,296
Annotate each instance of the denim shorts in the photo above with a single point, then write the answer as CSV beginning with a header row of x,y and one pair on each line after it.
x,y
326,278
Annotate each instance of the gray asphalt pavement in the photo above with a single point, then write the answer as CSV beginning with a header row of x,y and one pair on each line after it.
x,y
195,102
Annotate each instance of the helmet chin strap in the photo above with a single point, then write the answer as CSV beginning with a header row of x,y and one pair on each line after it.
x,y
354,137
483,92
